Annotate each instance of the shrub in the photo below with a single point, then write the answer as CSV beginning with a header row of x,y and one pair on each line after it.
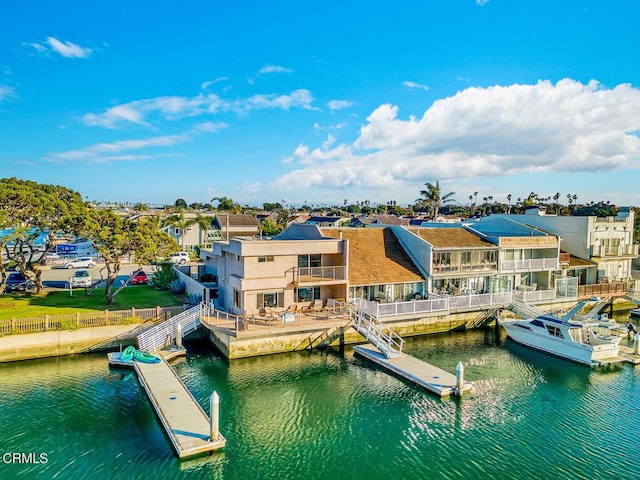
x,y
164,276
193,299
177,287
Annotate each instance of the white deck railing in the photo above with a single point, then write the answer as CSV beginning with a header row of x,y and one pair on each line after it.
x,y
310,274
535,296
531,264
157,337
443,304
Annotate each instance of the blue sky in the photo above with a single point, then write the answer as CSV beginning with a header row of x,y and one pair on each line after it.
x,y
319,102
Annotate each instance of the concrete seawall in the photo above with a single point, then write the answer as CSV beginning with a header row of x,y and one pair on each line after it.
x,y
299,339
65,342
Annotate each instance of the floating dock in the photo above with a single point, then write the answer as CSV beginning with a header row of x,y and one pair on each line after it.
x,y
421,373
185,422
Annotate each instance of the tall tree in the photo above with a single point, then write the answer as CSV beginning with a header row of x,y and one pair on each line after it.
x,y
115,238
180,203
224,203
178,220
204,223
35,213
433,197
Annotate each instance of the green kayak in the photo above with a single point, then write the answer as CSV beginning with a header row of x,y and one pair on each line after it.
x,y
127,354
145,357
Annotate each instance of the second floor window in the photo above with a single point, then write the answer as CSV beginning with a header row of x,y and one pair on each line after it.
x,y
313,260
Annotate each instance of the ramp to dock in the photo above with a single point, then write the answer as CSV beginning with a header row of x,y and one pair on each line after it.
x,y
428,376
187,425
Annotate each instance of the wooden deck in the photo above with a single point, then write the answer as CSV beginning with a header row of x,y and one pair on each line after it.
x,y
184,420
421,373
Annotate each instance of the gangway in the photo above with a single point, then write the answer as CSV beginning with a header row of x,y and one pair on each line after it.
x,y
378,334
385,349
164,334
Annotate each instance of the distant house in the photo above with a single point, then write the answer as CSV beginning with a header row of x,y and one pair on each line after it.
x,y
358,222
229,225
327,221
390,220
192,236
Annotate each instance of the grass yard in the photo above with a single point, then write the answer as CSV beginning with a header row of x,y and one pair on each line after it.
x,y
23,305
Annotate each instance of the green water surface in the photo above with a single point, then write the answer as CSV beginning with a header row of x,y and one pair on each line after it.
x,y
332,415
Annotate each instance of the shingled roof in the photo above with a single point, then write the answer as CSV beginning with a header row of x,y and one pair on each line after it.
x,y
375,256
236,220
448,238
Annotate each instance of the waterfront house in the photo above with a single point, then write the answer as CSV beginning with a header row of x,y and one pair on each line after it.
x,y
460,262
299,266
379,267
528,256
606,242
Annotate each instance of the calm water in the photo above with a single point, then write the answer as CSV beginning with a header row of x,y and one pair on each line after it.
x,y
332,415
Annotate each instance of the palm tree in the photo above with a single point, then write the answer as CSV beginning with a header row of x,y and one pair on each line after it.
x,y
205,224
178,220
434,198
509,200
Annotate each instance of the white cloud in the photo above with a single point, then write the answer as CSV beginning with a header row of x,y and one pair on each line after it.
x,y
482,2
68,49
208,83
212,127
495,131
174,108
6,92
274,69
410,84
65,48
339,104
105,152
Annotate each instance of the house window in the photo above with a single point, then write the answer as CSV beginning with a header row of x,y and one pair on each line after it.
x,y
442,261
236,298
265,258
307,294
313,260
270,299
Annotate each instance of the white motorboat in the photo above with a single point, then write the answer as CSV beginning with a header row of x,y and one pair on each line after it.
x,y
590,342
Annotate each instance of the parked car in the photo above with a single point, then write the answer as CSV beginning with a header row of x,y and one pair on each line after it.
x,y
179,257
81,278
139,278
17,281
83,262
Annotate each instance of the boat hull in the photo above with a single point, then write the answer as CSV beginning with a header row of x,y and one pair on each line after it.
x,y
574,351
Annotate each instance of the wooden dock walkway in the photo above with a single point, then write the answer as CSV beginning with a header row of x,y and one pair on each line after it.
x,y
421,373
185,422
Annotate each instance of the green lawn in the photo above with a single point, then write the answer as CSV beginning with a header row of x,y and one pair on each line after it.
x,y
23,305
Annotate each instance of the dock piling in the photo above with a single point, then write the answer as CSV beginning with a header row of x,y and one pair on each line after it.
x,y
459,378
178,335
636,344
214,403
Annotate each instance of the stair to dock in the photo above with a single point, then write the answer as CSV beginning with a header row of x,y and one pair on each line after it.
x,y
481,319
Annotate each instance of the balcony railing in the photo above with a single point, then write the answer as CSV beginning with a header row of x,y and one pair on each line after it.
x,y
465,267
615,251
318,274
529,265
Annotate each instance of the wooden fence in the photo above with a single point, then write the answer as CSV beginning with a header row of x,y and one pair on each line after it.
x,y
73,321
